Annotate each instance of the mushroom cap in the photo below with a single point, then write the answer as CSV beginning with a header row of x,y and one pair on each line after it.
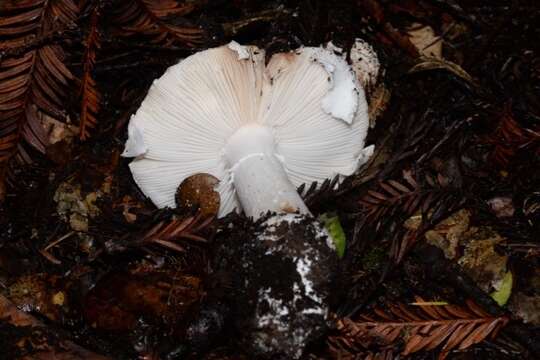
x,y
309,98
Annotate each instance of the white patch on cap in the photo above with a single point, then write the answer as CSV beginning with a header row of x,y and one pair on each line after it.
x,y
135,143
341,101
336,49
242,51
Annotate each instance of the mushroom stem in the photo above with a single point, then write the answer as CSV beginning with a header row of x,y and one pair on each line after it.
x,y
260,179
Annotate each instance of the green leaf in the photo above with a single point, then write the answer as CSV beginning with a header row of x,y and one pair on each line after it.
x,y
502,295
333,226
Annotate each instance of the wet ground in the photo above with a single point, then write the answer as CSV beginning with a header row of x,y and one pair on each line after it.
x,y
448,209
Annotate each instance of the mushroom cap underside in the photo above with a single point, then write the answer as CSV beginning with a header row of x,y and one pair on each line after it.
x,y
309,98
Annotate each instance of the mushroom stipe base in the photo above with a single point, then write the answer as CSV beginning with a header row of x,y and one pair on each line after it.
x,y
282,273
258,174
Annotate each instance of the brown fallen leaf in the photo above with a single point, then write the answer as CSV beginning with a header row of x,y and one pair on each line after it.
x,y
425,40
431,63
60,350
121,298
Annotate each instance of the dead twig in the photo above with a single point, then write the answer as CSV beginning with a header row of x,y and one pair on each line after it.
x,y
45,251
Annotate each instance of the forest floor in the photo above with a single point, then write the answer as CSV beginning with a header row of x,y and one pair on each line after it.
x,y
441,226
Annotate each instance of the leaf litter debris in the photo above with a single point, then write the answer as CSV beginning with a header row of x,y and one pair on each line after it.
x,y
444,214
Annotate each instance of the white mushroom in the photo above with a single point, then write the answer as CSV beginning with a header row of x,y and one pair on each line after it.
x,y
262,130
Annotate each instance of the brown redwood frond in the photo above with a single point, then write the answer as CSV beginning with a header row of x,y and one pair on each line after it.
x,y
32,83
167,233
385,206
509,137
406,195
424,327
152,19
90,95
317,193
